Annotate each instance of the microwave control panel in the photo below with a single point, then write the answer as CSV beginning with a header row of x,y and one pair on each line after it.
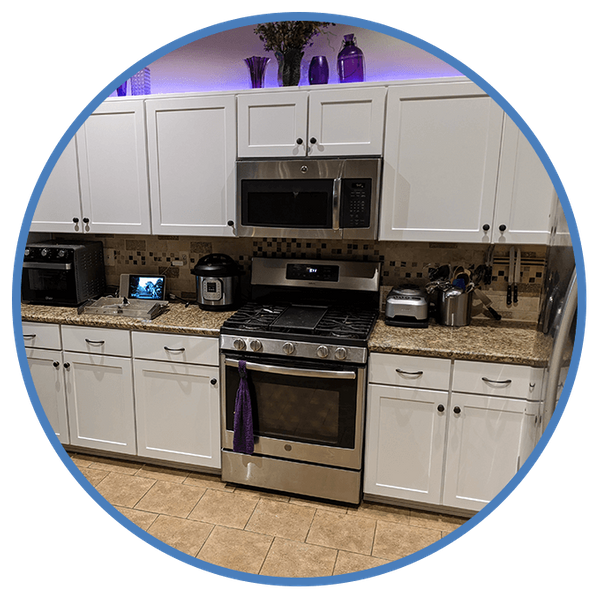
x,y
355,205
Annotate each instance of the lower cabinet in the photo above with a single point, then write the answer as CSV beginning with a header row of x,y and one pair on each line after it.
x,y
177,409
100,402
445,447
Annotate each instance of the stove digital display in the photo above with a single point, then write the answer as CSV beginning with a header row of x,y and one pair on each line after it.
x,y
307,272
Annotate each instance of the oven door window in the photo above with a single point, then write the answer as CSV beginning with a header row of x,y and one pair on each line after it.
x,y
39,284
304,409
294,204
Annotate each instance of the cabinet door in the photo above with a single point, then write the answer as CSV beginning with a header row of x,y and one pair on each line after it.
x,y
46,368
113,167
177,408
525,192
442,146
486,436
191,149
272,124
404,445
100,402
346,122
59,206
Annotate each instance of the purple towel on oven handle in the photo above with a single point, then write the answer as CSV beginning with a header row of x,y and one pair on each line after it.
x,y
243,428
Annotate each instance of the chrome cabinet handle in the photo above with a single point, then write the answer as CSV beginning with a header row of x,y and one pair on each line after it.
x,y
415,373
29,336
505,382
174,349
95,342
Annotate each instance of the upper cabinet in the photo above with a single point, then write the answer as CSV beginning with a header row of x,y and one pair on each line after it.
x,y
442,146
100,182
325,122
457,169
191,150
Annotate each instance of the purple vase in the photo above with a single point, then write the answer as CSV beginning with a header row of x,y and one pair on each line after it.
x,y
256,66
318,72
122,89
350,61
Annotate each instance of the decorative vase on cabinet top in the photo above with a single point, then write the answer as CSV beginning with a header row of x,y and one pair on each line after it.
x,y
350,61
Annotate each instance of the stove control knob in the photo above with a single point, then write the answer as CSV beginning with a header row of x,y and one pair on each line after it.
x,y
322,351
341,353
239,344
288,348
255,345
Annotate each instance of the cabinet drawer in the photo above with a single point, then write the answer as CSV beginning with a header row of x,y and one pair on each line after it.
x,y
176,348
410,371
495,379
96,340
41,335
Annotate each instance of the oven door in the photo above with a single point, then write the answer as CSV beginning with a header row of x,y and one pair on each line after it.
x,y
302,410
49,283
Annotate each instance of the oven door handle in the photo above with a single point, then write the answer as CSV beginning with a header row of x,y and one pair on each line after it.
x,y
229,362
48,266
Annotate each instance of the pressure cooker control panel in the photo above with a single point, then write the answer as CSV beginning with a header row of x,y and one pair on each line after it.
x,y
212,289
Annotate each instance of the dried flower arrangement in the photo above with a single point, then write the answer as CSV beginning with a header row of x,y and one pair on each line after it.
x,y
287,39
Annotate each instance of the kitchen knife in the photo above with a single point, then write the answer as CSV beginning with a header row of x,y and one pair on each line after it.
x,y
517,278
489,261
511,275
487,303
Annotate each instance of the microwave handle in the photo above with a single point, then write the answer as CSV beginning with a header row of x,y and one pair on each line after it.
x,y
277,370
337,192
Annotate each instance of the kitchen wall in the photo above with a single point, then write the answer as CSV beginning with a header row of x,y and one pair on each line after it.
x,y
401,262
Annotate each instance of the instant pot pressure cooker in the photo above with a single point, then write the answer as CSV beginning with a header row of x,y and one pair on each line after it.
x,y
217,282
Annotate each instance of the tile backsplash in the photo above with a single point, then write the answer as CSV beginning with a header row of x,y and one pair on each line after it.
x,y
401,262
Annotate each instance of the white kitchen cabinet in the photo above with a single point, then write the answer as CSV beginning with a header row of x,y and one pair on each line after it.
x,y
327,122
59,206
46,367
440,163
177,407
191,151
177,398
111,146
404,440
525,196
100,402
489,439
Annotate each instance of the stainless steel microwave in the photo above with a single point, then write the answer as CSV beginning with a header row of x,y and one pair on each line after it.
x,y
309,198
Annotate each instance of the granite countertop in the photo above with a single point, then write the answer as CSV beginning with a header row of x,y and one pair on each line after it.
x,y
484,340
176,319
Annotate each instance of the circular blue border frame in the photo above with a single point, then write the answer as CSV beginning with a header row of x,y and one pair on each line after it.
x,y
289,581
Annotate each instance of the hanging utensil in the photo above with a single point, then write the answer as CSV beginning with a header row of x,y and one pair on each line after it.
x,y
489,262
517,279
511,275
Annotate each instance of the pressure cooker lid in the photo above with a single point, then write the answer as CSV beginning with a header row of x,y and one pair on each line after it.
x,y
216,265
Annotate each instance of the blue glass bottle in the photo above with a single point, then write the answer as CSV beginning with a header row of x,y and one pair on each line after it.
x,y
350,61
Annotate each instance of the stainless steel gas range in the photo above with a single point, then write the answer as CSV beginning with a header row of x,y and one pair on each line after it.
x,y
303,338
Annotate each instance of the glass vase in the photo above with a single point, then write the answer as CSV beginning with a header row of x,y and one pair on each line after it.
x,y
289,66
318,72
140,83
257,67
350,61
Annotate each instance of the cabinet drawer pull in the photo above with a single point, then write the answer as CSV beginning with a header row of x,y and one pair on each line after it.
x,y
29,336
174,349
94,342
505,382
415,373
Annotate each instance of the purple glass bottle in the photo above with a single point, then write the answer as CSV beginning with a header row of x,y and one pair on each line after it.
x,y
350,61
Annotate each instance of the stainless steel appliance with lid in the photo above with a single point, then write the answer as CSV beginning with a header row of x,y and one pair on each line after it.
x,y
304,338
62,272
217,282
309,198
407,307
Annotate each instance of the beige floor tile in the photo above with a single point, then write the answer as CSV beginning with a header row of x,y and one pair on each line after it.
x,y
281,519
382,512
342,531
322,504
94,476
163,473
430,520
205,480
174,499
114,465
261,494
349,562
397,540
287,558
224,508
236,549
124,490
181,534
80,460
138,517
